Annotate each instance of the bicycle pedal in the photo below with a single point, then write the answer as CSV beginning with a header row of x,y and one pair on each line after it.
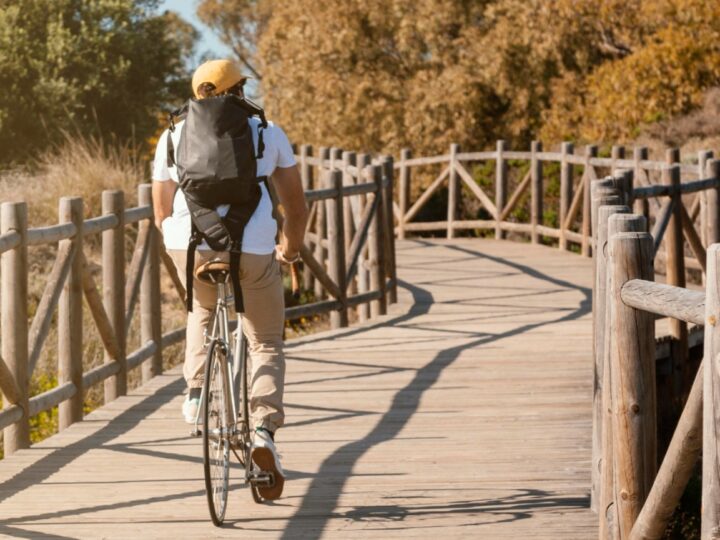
x,y
264,479
196,433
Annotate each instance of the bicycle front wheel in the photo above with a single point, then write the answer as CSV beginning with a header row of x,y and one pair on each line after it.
x,y
216,432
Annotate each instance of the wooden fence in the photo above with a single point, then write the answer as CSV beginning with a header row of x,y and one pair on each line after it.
x,y
678,216
353,262
634,499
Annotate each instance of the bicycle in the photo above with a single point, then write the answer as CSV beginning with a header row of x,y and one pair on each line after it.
x,y
224,401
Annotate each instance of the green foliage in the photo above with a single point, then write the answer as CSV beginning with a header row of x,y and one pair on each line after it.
x,y
100,67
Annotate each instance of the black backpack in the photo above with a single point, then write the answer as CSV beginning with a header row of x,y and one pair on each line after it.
x,y
216,164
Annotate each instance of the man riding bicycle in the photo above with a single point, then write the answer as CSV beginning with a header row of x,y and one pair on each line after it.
x,y
259,273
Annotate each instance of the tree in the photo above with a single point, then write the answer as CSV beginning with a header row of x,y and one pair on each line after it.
x,y
382,74
103,68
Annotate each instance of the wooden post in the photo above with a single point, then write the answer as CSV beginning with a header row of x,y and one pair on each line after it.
x,y
590,152
501,185
640,206
388,198
306,176
566,189
70,319
150,307
14,319
536,194
377,250
453,191
704,156
712,196
602,196
336,247
617,152
113,268
615,223
348,160
711,401
599,331
324,154
675,271
404,194
363,273
632,372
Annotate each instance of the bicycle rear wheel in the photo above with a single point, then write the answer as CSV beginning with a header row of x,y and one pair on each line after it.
x,y
216,432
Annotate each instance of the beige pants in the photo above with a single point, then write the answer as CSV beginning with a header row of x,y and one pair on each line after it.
x,y
263,322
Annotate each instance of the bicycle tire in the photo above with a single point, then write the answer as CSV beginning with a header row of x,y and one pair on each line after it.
x,y
245,416
216,450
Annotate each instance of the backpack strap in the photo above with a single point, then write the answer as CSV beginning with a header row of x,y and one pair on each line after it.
x,y
235,222
235,278
177,113
190,267
170,149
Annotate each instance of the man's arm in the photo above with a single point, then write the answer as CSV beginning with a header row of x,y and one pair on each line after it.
x,y
291,196
162,195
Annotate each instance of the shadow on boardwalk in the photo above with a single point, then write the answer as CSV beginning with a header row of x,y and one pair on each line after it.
x,y
404,406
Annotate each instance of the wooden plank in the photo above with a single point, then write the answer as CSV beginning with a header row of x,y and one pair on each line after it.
x,y
97,310
711,402
99,224
14,317
150,300
666,300
415,208
632,379
135,274
48,302
133,215
51,398
70,321
515,197
536,191
113,272
51,234
676,469
477,190
661,224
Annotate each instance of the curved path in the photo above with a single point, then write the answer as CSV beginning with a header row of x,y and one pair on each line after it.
x,y
463,413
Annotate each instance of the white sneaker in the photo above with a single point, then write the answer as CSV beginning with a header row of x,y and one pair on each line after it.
x,y
265,456
190,409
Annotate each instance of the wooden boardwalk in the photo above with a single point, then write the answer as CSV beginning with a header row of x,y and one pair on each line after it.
x,y
466,412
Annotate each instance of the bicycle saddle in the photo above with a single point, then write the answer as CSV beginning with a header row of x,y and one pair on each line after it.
x,y
213,271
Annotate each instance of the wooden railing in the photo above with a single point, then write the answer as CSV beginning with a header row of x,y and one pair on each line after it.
x,y
353,261
634,499
69,280
515,173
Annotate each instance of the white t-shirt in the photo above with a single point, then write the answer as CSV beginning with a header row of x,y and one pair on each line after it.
x,y
259,235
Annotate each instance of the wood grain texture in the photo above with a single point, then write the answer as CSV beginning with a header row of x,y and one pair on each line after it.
x,y
711,406
666,300
600,328
449,417
70,319
14,317
632,354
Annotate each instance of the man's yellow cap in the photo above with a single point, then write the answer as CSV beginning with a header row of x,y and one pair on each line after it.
x,y
223,74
